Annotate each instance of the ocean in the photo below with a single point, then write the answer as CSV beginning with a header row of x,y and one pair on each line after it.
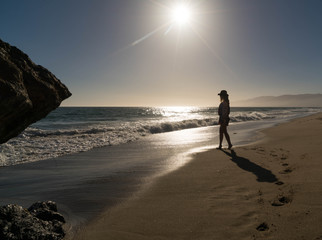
x,y
70,130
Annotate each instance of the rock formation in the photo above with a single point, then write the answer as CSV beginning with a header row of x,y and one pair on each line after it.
x,y
28,92
40,222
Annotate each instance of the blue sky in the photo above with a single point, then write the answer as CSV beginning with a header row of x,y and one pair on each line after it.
x,y
248,47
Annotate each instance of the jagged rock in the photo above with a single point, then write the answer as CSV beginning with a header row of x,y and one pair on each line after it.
x,y
28,92
46,211
48,205
17,223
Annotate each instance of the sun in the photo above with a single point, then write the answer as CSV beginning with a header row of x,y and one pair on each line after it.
x,y
181,14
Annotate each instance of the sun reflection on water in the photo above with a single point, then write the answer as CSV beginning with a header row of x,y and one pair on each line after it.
x,y
178,111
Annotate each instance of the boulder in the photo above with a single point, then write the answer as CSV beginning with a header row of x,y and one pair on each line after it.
x,y
17,223
28,92
46,211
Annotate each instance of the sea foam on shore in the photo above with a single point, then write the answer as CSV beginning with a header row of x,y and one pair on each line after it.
x,y
71,130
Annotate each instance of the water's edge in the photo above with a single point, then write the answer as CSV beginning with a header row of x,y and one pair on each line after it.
x,y
71,130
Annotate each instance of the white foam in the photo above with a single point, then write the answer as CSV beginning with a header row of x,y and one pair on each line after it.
x,y
36,144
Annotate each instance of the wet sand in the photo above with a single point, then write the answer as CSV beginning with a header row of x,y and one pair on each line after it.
x,y
268,190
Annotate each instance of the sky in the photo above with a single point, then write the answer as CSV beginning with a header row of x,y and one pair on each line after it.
x,y
133,52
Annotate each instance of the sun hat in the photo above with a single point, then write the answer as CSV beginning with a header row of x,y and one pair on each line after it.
x,y
223,93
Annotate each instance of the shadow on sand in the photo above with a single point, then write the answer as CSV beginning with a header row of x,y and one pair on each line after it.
x,y
262,174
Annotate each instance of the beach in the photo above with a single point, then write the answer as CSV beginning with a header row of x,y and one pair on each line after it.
x,y
267,190
112,115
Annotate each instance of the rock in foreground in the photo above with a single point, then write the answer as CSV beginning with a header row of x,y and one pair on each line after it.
x,y
28,92
40,222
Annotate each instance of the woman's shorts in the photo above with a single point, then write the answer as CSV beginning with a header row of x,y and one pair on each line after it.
x,y
224,121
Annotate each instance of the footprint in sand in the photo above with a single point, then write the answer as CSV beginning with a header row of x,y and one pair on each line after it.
x,y
262,227
286,171
305,156
259,149
284,157
281,201
279,154
279,183
260,200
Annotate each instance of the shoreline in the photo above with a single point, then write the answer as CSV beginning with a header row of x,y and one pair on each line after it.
x,y
89,128
258,191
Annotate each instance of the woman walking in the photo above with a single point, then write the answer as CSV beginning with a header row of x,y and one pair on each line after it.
x,y
223,112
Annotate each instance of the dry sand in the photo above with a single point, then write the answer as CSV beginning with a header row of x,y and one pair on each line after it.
x,y
268,190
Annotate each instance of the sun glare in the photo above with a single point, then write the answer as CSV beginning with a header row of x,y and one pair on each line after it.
x,y
181,14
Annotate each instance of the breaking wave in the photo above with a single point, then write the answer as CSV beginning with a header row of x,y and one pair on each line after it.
x,y
52,138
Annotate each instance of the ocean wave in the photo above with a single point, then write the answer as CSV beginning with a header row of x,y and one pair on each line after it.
x,y
249,116
34,132
152,127
180,125
38,143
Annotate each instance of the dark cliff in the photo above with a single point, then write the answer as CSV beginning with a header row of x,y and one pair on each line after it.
x,y
28,92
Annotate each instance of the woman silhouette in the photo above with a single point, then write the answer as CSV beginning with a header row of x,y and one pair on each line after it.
x,y
223,112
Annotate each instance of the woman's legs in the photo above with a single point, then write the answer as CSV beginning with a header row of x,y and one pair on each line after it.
x,y
227,138
221,136
222,132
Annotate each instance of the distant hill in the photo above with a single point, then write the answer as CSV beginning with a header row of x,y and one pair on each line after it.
x,y
300,100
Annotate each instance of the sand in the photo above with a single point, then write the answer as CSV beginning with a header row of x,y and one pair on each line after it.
x,y
269,190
